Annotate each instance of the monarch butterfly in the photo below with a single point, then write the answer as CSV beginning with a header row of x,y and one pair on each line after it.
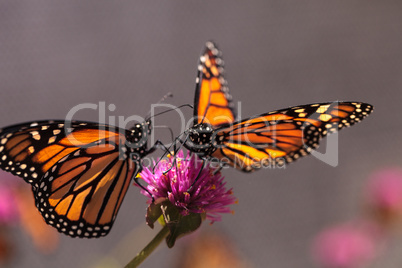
x,y
276,137
79,171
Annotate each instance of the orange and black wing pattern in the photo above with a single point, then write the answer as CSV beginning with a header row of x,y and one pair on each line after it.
x,y
283,136
29,150
79,171
82,193
212,102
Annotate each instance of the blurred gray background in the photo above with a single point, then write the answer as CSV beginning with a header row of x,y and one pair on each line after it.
x,y
55,55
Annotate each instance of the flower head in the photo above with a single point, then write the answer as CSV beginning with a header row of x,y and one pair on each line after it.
x,y
175,179
17,206
347,245
8,211
386,188
8,199
384,196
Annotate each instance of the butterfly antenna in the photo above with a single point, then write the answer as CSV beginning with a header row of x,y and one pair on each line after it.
x,y
170,130
169,110
168,95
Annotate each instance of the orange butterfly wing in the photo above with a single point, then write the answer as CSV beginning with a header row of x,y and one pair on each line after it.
x,y
212,101
79,173
29,150
285,135
82,193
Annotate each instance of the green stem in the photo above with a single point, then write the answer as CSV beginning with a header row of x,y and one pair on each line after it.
x,y
149,248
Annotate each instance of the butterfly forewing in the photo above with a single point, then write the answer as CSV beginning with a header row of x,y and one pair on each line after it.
x,y
285,135
213,103
29,150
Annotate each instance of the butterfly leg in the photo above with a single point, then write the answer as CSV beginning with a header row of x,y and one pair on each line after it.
x,y
150,150
204,164
173,155
167,151
221,165
181,143
175,150
155,146
143,188
218,169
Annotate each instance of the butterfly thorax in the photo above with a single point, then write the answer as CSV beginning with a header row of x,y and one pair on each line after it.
x,y
137,137
200,139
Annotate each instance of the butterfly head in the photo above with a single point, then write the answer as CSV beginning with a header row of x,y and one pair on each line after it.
x,y
200,139
137,137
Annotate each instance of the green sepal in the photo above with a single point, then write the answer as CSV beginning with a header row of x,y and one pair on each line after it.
x,y
167,214
154,212
178,224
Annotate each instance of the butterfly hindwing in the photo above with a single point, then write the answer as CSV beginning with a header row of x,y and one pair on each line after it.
x,y
212,103
82,193
285,135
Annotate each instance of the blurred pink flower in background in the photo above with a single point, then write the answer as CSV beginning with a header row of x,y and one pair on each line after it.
x,y
17,208
354,244
8,211
347,245
384,196
8,215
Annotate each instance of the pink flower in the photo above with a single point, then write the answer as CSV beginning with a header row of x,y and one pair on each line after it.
x,y
174,181
347,246
8,201
8,206
384,195
385,188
